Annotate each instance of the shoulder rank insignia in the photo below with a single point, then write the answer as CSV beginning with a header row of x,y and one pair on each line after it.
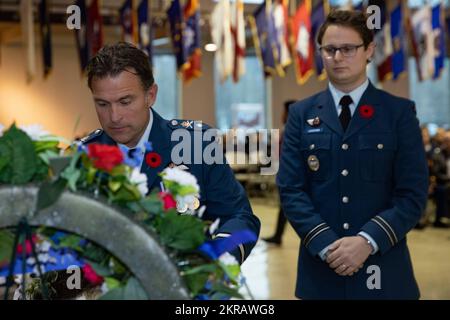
x,y
187,124
92,135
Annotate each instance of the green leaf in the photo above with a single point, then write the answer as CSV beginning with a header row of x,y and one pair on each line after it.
x,y
23,160
210,268
40,146
49,193
181,232
114,185
152,204
112,283
6,245
5,154
196,282
70,241
71,174
134,290
232,271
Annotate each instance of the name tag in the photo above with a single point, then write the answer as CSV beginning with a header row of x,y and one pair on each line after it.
x,y
314,130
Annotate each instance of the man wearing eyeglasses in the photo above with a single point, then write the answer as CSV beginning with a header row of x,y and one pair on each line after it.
x,y
353,176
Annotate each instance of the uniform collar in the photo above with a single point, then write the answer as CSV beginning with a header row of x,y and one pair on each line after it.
x,y
355,94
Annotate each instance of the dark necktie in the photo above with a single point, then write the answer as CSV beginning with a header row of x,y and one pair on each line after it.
x,y
345,115
131,153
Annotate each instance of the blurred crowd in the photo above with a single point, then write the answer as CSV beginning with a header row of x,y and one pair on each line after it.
x,y
437,148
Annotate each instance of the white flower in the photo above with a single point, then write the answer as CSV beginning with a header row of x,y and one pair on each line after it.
x,y
140,179
181,177
228,259
35,131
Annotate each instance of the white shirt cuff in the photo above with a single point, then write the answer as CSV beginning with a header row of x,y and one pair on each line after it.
x,y
372,242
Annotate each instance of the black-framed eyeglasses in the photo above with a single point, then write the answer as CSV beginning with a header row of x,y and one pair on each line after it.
x,y
348,50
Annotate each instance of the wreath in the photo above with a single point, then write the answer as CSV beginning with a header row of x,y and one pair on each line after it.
x,y
42,254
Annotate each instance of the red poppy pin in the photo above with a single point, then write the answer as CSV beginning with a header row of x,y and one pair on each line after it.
x,y
153,159
366,111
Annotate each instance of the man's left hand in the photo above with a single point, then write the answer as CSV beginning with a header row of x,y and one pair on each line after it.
x,y
347,255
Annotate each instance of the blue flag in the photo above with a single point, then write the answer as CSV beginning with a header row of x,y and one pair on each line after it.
x,y
145,31
81,36
265,39
397,34
439,40
175,16
317,19
46,37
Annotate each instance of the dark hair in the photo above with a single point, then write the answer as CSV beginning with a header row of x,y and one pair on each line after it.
x,y
357,20
287,104
122,56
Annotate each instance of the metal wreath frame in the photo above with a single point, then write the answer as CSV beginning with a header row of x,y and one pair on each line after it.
x,y
105,225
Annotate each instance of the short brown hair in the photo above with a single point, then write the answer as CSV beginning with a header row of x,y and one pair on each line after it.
x,y
122,56
356,20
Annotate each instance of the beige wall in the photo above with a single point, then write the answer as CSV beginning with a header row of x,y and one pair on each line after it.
x,y
60,100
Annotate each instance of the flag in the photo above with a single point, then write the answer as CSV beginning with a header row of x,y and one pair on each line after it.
x,y
175,17
221,37
46,38
264,37
81,36
27,21
422,42
397,35
94,32
145,31
382,57
238,38
302,42
192,40
280,18
318,15
128,22
439,39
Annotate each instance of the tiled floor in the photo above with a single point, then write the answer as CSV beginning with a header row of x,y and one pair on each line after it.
x,y
271,271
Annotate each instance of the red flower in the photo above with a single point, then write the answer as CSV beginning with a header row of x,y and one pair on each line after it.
x,y
169,201
153,159
366,111
105,157
91,276
28,247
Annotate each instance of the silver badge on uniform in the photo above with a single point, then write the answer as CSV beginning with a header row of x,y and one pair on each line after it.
x,y
313,163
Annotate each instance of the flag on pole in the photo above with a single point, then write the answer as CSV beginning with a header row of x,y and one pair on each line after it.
x,y
423,42
238,37
175,17
222,38
319,12
192,40
382,57
264,37
128,22
437,23
81,36
46,37
280,18
145,31
27,22
94,29
302,42
397,35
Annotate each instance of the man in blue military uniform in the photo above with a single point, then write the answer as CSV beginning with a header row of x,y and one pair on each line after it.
x,y
124,91
353,176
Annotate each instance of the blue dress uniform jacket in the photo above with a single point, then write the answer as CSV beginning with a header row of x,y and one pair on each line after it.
x,y
372,178
220,192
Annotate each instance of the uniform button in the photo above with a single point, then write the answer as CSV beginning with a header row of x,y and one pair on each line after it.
x,y
174,122
345,146
380,146
311,147
345,199
344,172
346,226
